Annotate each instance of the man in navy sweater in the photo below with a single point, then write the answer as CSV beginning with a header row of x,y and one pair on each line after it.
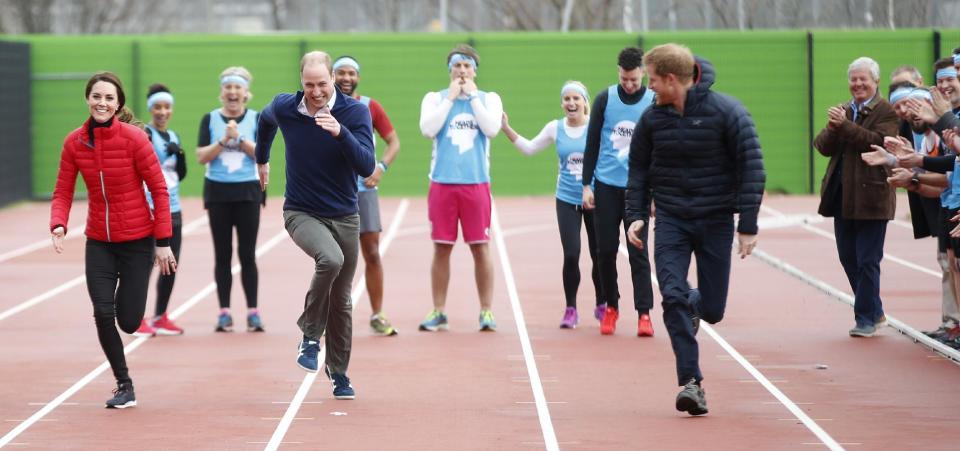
x,y
329,142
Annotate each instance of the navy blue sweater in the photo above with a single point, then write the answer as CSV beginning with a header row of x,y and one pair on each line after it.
x,y
321,170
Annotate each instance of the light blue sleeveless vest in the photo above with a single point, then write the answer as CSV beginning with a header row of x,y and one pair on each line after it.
x,y
570,175
168,164
232,165
461,152
619,121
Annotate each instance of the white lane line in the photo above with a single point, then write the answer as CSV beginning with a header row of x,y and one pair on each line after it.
x,y
543,411
830,236
298,399
206,291
848,299
24,250
787,402
193,225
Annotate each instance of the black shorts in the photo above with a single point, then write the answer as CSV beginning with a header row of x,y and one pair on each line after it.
x,y
945,241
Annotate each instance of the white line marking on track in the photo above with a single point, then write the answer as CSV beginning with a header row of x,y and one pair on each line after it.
x,y
891,257
358,288
37,245
543,412
789,404
139,341
193,225
846,298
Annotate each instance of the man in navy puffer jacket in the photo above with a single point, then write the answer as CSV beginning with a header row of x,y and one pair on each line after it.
x,y
696,153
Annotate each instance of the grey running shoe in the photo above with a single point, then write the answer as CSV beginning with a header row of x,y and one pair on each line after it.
x,y
381,325
692,399
863,331
123,397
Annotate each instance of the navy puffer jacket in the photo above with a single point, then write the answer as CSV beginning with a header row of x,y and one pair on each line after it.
x,y
704,162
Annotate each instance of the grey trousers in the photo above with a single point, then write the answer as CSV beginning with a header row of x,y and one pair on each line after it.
x,y
951,315
333,244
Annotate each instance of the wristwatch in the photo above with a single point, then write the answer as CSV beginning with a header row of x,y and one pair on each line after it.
x,y
383,165
915,182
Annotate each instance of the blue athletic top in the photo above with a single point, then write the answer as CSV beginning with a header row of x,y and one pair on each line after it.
x,y
232,165
461,152
360,186
570,174
168,165
619,120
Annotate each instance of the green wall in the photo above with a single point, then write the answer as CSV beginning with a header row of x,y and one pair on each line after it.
x,y
767,70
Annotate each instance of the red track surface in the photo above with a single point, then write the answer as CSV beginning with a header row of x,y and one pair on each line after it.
x,y
467,390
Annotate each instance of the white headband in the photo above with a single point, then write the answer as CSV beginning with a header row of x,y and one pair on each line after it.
x,y
576,88
161,96
234,79
346,61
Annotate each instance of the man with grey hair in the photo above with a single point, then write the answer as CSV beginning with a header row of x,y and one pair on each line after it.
x,y
856,194
329,142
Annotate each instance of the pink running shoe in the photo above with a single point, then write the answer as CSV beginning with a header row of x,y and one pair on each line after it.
x,y
570,318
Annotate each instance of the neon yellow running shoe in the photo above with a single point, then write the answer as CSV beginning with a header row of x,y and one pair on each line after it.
x,y
487,324
381,325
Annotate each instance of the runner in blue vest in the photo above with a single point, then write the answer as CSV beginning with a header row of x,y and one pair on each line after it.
x,y
616,112
346,72
461,120
173,163
231,191
570,136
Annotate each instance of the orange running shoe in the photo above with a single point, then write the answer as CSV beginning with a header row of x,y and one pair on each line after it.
x,y
609,324
644,326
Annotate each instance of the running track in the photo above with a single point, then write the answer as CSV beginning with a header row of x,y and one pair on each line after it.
x,y
470,391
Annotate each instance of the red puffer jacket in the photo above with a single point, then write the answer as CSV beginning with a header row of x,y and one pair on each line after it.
x,y
114,169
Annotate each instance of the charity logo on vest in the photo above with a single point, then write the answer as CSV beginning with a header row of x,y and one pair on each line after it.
x,y
620,138
462,131
231,156
575,165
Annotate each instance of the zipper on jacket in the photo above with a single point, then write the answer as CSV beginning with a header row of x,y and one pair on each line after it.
x,y
103,190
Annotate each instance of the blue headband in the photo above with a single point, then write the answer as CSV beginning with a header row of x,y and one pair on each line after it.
x,y
161,96
234,79
457,57
920,93
956,59
346,61
947,72
900,94
576,88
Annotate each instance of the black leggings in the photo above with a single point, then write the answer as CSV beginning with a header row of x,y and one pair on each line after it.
x,y
608,216
245,216
118,276
569,218
165,282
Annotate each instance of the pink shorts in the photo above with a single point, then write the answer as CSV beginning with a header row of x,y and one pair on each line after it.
x,y
468,204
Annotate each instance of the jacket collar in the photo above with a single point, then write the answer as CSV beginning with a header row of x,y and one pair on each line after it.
x,y
100,133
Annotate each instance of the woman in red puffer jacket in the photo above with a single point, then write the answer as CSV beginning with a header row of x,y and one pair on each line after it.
x,y
115,160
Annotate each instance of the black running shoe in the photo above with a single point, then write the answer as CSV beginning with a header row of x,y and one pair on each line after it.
x,y
123,397
692,399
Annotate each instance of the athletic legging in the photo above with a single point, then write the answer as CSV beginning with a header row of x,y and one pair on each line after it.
x,y
245,216
118,277
165,282
608,216
569,218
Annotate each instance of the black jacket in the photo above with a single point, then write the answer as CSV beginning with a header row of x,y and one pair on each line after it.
x,y
704,162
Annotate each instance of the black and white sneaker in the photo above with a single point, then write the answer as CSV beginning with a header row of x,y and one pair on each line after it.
x,y
123,397
692,399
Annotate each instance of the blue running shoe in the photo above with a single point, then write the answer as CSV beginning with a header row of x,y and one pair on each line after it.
x,y
254,323
307,357
341,385
435,320
487,324
224,323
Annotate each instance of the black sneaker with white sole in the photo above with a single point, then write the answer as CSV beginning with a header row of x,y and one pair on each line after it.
x,y
692,399
123,397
